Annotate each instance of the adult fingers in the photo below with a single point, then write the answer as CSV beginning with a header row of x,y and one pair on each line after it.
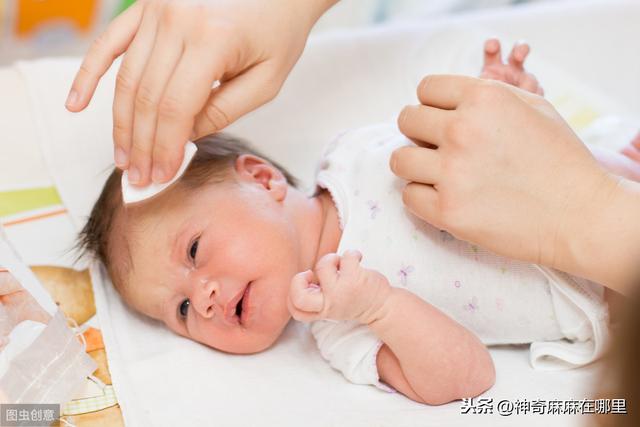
x,y
304,294
492,53
445,91
422,201
416,164
164,58
424,124
518,55
236,97
326,269
103,51
127,83
184,96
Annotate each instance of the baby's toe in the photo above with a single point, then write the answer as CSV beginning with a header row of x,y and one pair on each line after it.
x,y
492,55
518,54
530,84
632,151
635,142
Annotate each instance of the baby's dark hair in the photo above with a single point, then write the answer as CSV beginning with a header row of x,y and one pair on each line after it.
x,y
211,164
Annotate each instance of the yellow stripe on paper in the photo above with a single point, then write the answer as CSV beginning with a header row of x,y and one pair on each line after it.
x,y
17,201
91,404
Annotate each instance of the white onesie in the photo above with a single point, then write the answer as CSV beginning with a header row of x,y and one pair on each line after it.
x,y
502,301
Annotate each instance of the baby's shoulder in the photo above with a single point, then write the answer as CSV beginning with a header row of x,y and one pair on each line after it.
x,y
360,143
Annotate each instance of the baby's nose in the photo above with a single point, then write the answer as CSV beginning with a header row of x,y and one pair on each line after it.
x,y
205,298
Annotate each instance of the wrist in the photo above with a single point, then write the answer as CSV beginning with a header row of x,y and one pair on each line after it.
x,y
603,243
311,10
383,304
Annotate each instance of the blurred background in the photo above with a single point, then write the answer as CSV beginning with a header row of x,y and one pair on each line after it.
x,y
36,28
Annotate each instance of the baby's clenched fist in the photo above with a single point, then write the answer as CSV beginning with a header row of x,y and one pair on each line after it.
x,y
338,288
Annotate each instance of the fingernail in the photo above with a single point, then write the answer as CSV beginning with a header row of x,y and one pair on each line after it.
x,y
120,157
72,98
157,175
134,175
313,287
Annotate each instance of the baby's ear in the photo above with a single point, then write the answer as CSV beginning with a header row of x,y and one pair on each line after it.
x,y
250,168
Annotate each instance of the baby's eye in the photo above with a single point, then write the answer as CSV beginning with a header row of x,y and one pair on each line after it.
x,y
184,308
193,250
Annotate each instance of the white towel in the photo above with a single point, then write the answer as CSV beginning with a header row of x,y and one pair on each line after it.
x,y
133,194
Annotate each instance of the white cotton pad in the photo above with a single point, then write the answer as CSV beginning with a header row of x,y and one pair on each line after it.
x,y
133,194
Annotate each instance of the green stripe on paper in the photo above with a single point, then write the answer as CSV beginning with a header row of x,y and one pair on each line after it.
x,y
124,5
14,202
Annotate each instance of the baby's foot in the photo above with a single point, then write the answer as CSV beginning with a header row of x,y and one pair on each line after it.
x,y
632,150
628,162
512,72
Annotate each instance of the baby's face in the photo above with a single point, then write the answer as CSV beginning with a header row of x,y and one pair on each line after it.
x,y
224,250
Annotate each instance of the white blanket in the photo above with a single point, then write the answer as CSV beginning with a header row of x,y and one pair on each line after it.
x,y
343,80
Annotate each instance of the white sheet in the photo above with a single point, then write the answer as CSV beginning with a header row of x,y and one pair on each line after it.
x,y
343,80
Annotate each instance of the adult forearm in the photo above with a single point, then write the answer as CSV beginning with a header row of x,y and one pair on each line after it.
x,y
440,359
602,241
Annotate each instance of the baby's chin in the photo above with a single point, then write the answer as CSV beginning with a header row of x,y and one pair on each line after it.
x,y
269,342
244,348
249,346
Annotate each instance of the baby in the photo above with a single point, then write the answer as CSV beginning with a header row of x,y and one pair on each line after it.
x,y
230,252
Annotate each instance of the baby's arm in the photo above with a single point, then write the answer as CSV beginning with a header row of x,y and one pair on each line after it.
x,y
426,355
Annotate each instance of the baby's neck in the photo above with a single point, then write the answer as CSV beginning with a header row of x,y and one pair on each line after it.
x,y
330,233
318,226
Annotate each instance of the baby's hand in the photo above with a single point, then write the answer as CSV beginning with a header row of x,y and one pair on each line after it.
x,y
346,291
513,72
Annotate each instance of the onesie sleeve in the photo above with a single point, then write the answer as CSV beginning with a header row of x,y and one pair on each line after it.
x,y
350,348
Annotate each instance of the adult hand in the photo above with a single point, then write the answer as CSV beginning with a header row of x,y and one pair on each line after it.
x,y
175,51
509,174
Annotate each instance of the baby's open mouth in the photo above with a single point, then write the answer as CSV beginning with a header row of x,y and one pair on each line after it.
x,y
239,308
243,304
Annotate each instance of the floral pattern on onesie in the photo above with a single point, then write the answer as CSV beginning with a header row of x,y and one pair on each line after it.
x,y
500,300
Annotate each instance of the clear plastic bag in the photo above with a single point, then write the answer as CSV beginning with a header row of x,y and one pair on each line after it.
x,y
41,359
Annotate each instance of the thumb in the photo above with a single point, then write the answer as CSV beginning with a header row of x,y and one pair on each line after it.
x,y
237,97
305,295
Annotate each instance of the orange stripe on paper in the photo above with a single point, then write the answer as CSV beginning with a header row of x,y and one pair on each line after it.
x,y
35,217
